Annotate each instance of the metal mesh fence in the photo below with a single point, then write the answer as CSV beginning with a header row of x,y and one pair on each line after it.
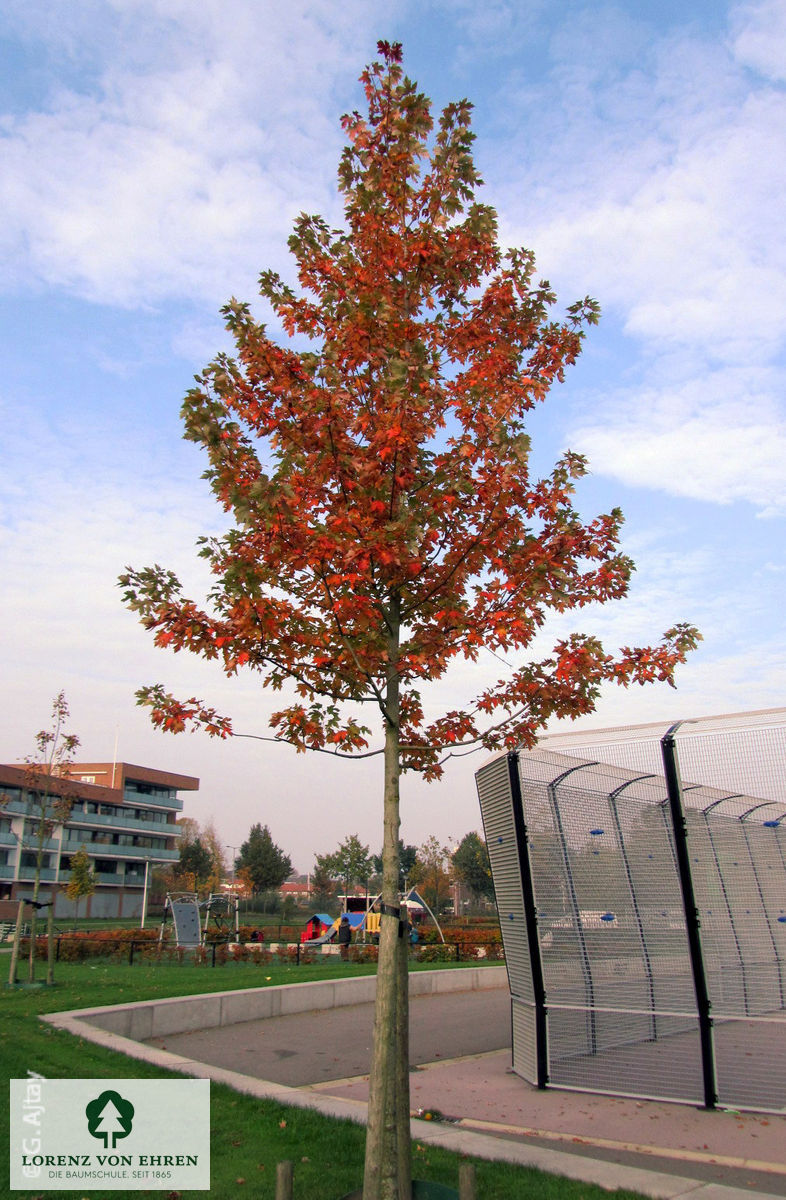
x,y
657,890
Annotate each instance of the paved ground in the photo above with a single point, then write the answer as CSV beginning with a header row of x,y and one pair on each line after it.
x,y
335,1043
460,1045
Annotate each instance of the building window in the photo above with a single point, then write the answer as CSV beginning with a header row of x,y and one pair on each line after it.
x,y
28,859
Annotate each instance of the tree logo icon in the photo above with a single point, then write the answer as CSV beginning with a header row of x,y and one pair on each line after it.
x,y
110,1117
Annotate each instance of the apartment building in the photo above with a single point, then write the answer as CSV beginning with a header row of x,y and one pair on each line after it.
x,y
123,815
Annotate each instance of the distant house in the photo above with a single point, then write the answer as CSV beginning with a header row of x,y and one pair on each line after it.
x,y
297,889
123,815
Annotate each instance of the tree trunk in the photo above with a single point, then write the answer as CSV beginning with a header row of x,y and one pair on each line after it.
x,y
388,1171
34,908
20,913
50,941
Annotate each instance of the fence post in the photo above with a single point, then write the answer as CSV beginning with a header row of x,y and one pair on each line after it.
x,y
467,1189
680,830
779,964
531,923
586,965
613,797
131,953
284,1180
213,963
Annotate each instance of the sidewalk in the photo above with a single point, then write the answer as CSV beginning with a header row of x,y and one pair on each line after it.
x,y
461,1073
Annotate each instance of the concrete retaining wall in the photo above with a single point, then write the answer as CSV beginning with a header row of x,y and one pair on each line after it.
x,y
180,1014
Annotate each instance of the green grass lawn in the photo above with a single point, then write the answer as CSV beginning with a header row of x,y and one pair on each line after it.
x,y
248,1136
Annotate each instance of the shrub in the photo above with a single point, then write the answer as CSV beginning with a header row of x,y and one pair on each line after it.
x,y
363,954
436,953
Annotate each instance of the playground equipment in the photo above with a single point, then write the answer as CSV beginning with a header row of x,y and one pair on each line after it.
x,y
184,908
364,918
223,909
643,918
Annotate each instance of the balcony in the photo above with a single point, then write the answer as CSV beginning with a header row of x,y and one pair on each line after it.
x,y
20,808
134,797
47,873
102,850
30,844
104,820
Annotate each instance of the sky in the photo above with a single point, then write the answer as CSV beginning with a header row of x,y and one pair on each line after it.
x,y
153,157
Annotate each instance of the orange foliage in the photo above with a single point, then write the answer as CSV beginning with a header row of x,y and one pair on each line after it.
x,y
386,517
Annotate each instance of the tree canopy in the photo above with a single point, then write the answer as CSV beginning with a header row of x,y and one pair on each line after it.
x,y
82,879
406,861
196,860
386,519
431,873
472,867
264,862
350,862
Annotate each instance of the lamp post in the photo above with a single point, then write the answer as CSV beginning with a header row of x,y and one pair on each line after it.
x,y
229,847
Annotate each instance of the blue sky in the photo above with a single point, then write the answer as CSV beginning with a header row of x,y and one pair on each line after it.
x,y
154,155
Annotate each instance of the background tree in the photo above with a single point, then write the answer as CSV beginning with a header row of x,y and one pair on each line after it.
x,y
323,887
195,866
207,872
406,861
385,516
431,874
243,883
266,864
188,830
471,866
46,811
350,862
82,880
211,840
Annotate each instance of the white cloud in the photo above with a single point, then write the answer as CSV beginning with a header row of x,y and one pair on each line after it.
x,y
675,223
656,184
718,438
178,172
759,37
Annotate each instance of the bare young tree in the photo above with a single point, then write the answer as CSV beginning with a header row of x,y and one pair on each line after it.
x,y
49,796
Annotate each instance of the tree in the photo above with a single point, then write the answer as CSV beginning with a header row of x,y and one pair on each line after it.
x,y
266,864
195,863
188,830
82,880
208,865
386,520
431,874
350,862
48,807
323,888
406,861
215,847
471,866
